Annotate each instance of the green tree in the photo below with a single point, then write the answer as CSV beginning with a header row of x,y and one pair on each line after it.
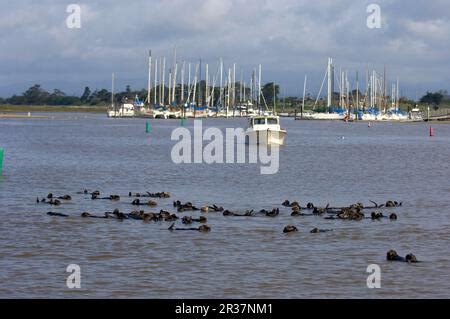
x,y
433,98
86,95
35,95
269,91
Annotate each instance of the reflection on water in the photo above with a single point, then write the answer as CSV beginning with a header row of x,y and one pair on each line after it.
x,y
242,257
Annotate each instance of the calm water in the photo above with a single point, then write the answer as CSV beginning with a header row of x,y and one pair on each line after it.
x,y
324,162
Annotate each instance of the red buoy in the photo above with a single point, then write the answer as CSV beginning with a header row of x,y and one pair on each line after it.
x,y
431,131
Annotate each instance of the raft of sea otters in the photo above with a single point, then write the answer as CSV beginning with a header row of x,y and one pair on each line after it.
x,y
354,212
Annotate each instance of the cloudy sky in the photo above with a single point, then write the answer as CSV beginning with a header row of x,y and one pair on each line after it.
x,y
290,38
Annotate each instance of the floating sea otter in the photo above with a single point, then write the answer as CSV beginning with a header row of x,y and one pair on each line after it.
x,y
89,215
377,216
111,197
57,214
213,208
393,216
65,197
317,231
393,256
202,228
391,203
184,207
151,195
137,202
247,213
350,214
290,229
286,203
116,214
187,220
273,213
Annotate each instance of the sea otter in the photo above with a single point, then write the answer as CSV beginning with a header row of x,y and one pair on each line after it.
x,y
247,213
88,215
57,214
350,214
377,216
317,231
137,202
202,228
391,204
286,203
111,197
393,256
290,229
275,212
116,214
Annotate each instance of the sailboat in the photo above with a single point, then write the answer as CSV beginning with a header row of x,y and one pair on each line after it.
x,y
124,110
332,113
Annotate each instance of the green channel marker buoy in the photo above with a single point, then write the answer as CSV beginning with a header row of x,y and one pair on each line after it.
x,y
1,161
147,127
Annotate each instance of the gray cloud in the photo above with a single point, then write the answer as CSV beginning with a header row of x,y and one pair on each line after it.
x,y
289,37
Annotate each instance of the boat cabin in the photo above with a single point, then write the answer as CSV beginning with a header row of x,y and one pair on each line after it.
x,y
265,123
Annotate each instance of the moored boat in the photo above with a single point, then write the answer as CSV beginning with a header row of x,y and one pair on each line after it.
x,y
265,130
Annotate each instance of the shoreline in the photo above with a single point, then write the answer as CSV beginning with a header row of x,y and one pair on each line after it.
x,y
47,108
26,112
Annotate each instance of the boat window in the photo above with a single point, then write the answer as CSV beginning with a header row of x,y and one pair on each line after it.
x,y
272,121
259,121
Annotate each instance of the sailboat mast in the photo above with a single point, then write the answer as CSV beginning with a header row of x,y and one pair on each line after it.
x,y
174,74
330,83
228,90
195,89
182,82
174,84
304,94
164,83
241,87
200,100
221,85
156,82
207,84
149,89
160,81
274,99
357,91
384,89
170,87
112,95
398,95
259,86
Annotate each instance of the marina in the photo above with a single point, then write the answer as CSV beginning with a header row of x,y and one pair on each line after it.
x,y
232,99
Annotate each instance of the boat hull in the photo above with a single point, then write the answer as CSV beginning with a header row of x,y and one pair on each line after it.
x,y
266,137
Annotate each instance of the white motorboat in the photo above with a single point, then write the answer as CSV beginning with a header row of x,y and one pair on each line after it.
x,y
265,130
416,115
125,110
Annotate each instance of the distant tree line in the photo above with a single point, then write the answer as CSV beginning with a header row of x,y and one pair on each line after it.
x,y
435,98
36,95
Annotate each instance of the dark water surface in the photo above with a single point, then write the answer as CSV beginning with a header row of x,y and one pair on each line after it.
x,y
249,257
